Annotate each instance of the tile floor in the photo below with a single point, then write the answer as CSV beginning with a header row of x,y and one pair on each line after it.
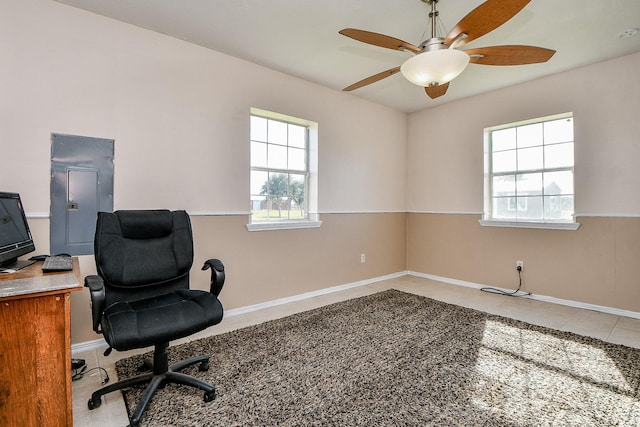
x,y
612,328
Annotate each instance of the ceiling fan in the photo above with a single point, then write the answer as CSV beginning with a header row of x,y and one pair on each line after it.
x,y
438,60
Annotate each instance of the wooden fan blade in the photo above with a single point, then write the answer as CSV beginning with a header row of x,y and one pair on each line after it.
x,y
509,55
372,79
436,91
485,18
379,39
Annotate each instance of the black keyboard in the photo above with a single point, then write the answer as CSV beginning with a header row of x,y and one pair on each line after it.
x,y
57,263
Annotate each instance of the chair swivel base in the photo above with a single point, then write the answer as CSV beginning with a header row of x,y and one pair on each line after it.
x,y
157,380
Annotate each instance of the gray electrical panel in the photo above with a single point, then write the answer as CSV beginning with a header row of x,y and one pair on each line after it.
x,y
81,186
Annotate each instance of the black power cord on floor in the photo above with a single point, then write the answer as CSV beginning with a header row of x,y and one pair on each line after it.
x,y
79,373
507,293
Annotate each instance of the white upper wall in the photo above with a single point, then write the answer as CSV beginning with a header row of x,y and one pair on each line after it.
x,y
446,159
179,114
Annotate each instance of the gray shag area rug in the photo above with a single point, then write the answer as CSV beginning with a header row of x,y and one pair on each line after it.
x,y
397,359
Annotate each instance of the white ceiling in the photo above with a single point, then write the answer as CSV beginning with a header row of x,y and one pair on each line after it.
x,y
300,37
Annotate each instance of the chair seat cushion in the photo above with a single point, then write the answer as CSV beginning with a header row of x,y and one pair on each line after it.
x,y
134,324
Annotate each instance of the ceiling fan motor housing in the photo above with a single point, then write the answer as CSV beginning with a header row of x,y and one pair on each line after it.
x,y
435,43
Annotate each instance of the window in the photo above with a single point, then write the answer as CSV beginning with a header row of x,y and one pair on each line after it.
x,y
529,173
283,172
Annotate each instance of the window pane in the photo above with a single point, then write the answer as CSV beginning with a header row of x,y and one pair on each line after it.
x,y
504,185
529,184
558,131
258,180
530,135
258,129
504,139
297,159
558,207
297,136
277,185
560,182
277,132
504,208
530,159
504,161
297,190
558,155
530,208
258,154
275,190
277,156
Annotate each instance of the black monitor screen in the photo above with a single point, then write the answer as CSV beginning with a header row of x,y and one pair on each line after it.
x,y
15,237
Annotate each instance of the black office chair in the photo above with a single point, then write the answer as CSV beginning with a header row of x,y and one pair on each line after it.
x,y
141,295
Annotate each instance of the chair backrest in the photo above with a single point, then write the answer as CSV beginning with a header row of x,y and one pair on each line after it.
x,y
143,253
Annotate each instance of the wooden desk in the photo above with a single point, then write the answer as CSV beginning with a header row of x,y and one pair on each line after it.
x,y
35,346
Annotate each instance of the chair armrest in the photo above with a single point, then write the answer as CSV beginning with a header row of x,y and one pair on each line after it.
x,y
217,275
96,289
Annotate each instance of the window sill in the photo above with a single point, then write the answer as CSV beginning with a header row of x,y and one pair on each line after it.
x,y
539,225
284,225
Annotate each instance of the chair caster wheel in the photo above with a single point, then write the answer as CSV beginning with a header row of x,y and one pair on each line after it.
x,y
204,366
209,396
94,403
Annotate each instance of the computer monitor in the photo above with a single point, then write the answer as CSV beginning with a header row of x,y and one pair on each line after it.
x,y
15,236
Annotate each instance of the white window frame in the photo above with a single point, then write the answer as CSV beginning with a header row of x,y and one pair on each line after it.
x,y
547,223
312,219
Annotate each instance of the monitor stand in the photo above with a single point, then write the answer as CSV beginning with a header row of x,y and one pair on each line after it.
x,y
15,266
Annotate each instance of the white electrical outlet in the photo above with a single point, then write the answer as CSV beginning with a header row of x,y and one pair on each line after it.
x,y
363,258
520,264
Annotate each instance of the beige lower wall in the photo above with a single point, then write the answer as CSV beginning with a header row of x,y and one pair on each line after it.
x,y
267,265
596,264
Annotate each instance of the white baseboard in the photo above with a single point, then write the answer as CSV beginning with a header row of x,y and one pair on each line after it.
x,y
300,297
101,344
570,303
89,346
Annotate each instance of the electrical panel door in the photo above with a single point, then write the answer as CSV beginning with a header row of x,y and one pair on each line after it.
x,y
81,186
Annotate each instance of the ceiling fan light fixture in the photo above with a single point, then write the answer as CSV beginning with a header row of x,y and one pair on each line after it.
x,y
435,67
